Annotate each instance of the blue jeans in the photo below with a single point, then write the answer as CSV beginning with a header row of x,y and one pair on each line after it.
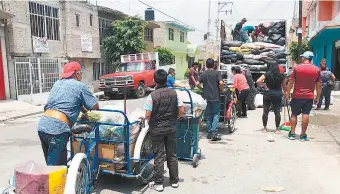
x,y
54,148
326,92
213,116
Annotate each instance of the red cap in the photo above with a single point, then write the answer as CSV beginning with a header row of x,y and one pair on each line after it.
x,y
70,68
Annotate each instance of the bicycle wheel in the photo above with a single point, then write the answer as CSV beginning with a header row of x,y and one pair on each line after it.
x,y
78,176
147,166
232,120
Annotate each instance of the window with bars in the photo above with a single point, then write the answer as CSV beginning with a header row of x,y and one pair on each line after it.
x,y
98,70
148,34
44,21
171,34
181,38
104,29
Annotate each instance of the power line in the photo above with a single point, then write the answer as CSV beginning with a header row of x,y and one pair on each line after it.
x,y
170,16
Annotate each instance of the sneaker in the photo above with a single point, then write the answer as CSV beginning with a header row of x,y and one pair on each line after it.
x,y
209,136
216,137
156,186
304,138
174,185
291,136
326,108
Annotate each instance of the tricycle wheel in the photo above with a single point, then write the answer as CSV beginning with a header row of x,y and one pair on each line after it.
x,y
78,175
232,120
147,172
147,167
195,160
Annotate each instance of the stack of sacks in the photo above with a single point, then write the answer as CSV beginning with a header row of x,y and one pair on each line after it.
x,y
275,33
199,104
256,55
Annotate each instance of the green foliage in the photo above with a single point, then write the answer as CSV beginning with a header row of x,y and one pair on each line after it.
x,y
293,49
186,74
126,37
165,56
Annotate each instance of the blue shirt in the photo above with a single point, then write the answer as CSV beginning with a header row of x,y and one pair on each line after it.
x,y
66,96
171,81
248,28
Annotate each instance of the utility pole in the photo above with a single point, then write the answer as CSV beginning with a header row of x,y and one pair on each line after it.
x,y
209,20
300,30
223,7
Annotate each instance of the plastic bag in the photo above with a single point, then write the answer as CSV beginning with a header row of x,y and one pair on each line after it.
x,y
40,179
253,62
235,49
197,100
259,100
250,46
232,43
281,41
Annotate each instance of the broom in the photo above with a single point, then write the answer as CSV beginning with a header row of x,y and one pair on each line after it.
x,y
286,125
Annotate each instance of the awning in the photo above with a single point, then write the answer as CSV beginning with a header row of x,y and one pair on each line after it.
x,y
327,33
192,50
5,15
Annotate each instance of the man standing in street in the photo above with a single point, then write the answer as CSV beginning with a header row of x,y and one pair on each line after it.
x,y
305,78
237,29
162,109
251,97
193,75
212,86
68,97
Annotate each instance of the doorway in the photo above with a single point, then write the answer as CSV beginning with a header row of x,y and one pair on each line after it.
x,y
336,62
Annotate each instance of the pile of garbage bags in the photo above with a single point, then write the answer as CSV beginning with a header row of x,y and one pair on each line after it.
x,y
274,33
199,104
256,54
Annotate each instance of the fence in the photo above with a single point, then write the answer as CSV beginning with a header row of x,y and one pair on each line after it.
x,y
36,75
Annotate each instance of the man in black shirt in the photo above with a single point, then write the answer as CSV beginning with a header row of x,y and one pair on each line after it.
x,y
237,29
212,85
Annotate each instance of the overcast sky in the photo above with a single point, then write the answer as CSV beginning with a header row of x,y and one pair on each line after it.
x,y
195,12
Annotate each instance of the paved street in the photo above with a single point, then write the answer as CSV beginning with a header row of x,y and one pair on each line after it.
x,y
244,162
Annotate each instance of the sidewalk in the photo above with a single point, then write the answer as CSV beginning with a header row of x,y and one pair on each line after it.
x,y
12,109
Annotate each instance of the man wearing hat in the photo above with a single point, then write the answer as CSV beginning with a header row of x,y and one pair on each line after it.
x,y
68,97
305,78
237,29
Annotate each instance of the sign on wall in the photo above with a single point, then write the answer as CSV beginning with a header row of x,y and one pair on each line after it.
x,y
86,42
40,45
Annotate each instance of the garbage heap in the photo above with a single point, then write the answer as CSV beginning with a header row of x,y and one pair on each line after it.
x,y
255,55
273,33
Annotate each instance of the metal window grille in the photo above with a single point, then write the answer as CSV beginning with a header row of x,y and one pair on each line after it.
x,y
171,34
182,37
104,29
36,75
148,34
44,21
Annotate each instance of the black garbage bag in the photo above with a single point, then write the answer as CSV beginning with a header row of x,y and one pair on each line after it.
x,y
255,52
280,55
239,62
281,41
274,31
226,52
282,61
253,62
267,39
275,37
225,48
239,56
232,43
226,61
265,50
233,60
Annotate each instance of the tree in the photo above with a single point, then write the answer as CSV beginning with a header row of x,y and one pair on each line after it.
x,y
293,49
126,37
165,56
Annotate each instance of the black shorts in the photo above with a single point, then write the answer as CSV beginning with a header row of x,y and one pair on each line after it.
x,y
303,106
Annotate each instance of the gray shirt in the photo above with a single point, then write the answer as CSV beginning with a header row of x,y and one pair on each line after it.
x,y
210,79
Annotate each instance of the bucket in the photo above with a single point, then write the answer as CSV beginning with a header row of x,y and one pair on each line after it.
x,y
337,86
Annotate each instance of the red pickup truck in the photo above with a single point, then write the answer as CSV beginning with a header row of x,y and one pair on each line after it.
x,y
133,76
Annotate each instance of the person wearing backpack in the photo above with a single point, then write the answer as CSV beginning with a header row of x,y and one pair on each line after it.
x,y
327,79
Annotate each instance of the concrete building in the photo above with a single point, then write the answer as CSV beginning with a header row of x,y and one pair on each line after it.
x,y
174,36
321,25
42,37
4,81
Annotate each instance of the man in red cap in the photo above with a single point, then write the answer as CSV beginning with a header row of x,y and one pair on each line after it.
x,y
68,97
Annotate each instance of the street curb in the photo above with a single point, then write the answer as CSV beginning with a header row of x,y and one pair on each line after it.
x,y
21,116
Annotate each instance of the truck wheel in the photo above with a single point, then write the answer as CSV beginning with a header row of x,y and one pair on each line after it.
x,y
140,91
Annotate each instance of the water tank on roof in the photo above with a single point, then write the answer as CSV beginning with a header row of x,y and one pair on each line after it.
x,y
149,14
